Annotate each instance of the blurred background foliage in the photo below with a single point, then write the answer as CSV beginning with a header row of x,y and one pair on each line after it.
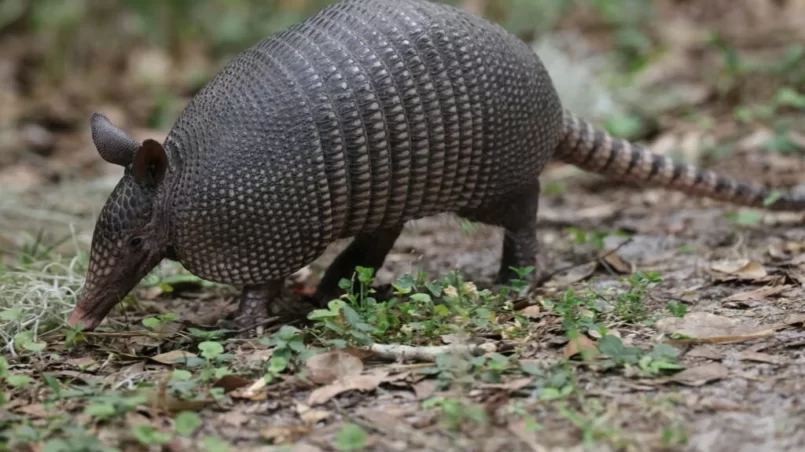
x,y
70,28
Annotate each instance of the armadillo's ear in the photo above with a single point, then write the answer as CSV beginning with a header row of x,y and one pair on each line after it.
x,y
150,163
114,145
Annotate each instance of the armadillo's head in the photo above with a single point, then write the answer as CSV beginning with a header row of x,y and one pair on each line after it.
x,y
130,237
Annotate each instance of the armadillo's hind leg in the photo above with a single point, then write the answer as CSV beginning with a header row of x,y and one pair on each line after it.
x,y
366,250
255,307
518,216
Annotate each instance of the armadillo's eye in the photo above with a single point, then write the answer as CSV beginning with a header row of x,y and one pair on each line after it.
x,y
136,242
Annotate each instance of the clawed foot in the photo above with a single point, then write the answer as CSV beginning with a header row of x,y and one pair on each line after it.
x,y
264,307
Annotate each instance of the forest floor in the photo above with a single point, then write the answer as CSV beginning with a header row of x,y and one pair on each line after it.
x,y
671,323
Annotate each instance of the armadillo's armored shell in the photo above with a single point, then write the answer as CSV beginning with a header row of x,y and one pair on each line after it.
x,y
368,114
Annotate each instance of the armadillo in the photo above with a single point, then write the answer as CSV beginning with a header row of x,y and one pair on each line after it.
x,y
359,119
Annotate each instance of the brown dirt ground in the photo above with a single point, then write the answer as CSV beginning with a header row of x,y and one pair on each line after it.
x,y
752,399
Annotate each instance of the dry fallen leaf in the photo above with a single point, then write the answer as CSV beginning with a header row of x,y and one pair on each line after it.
x,y
530,436
757,294
173,357
795,319
424,388
36,410
329,367
255,392
617,263
745,269
232,382
283,434
309,415
698,376
532,312
572,275
165,401
234,418
704,327
84,362
513,385
761,357
707,351
260,355
579,345
361,383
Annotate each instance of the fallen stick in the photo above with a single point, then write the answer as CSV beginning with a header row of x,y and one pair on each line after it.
x,y
399,352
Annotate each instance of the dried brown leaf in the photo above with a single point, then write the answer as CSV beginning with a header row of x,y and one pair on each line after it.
x,y
284,434
309,415
34,410
424,388
744,269
521,430
757,294
513,385
617,263
707,351
360,353
532,312
761,357
255,392
84,362
165,401
795,319
704,327
329,367
580,345
363,383
698,376
232,382
573,275
173,357
260,355
234,418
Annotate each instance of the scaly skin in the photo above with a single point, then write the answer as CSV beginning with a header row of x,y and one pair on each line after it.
x,y
367,115
593,150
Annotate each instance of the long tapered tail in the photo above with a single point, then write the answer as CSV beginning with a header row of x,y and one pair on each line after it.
x,y
594,150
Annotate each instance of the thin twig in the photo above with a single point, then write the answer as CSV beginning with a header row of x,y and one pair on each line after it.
x,y
400,352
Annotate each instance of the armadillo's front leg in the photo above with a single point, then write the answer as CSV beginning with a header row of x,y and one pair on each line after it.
x,y
366,250
255,305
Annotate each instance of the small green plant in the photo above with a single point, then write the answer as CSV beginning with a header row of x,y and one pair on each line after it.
x,y
674,436
214,361
112,405
630,307
449,369
662,357
157,321
351,437
455,413
747,218
148,435
419,310
551,383
594,425
288,343
580,314
677,309
187,422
